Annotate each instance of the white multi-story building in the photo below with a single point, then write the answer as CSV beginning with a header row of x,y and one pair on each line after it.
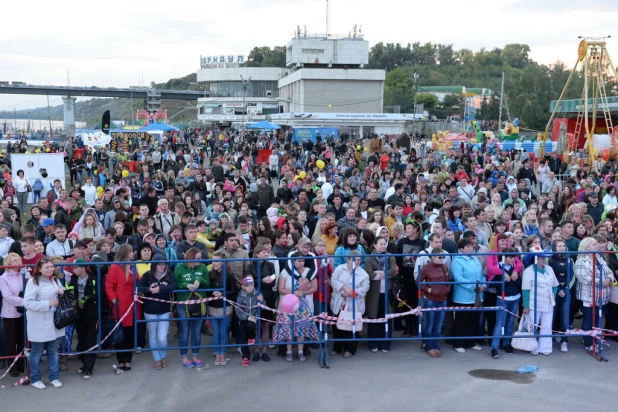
x,y
324,74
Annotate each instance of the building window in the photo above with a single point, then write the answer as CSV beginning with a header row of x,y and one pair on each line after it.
x,y
313,51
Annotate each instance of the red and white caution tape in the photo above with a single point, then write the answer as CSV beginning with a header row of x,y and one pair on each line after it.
x,y
20,381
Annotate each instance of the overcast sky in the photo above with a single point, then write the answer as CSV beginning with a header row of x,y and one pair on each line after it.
x,y
109,43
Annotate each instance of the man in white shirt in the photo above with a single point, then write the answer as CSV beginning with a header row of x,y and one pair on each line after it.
x,y
327,187
90,192
465,191
165,219
273,161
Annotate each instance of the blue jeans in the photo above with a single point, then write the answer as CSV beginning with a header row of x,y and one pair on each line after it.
x,y
52,360
193,325
157,334
587,322
561,314
220,332
506,320
432,322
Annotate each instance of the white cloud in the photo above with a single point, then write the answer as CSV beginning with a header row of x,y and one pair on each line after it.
x,y
110,43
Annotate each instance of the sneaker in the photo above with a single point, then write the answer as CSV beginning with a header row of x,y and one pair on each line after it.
x,y
38,385
271,346
251,341
347,354
289,357
534,353
433,353
265,357
245,362
564,347
86,376
460,350
302,358
509,349
239,350
256,357
80,370
187,364
494,354
424,347
138,350
56,384
545,353
197,363
477,347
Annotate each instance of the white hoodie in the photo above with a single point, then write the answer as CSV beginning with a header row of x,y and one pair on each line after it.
x,y
90,194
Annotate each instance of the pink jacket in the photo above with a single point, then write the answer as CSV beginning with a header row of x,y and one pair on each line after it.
x,y
494,270
11,285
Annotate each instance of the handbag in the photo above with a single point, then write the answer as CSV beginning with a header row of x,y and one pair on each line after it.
x,y
195,310
65,313
524,338
346,319
477,296
109,323
20,309
29,188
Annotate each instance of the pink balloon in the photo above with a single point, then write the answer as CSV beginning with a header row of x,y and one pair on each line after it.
x,y
289,303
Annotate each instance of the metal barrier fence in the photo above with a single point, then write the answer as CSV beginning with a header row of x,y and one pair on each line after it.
x,y
323,317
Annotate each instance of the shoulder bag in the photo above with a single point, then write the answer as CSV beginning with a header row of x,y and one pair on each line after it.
x,y
524,338
347,319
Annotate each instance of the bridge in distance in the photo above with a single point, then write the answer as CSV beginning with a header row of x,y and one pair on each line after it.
x,y
77,91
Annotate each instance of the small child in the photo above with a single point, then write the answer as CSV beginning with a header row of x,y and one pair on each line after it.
x,y
512,295
247,298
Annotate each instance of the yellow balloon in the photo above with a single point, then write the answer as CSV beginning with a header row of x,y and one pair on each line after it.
x,y
364,149
27,152
100,189
330,106
48,150
96,172
302,174
358,147
320,164
37,151
125,173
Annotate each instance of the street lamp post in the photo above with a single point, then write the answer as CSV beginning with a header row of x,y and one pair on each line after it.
x,y
416,76
245,84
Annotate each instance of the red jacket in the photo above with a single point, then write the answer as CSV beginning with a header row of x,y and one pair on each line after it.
x,y
493,269
117,286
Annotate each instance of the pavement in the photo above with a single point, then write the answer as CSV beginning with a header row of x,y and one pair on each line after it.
x,y
404,378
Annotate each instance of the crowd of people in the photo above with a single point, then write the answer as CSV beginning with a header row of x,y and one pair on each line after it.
x,y
351,229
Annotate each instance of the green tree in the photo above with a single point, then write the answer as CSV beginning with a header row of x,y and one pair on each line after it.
x,y
453,101
428,100
516,55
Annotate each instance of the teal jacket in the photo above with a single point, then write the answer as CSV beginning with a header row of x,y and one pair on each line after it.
x,y
466,269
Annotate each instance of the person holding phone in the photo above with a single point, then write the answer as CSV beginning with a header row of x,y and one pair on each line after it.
x,y
158,283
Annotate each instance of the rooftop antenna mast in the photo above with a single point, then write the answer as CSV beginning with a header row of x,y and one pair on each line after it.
x,y
328,18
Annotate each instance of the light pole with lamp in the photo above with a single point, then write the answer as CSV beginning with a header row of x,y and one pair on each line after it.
x,y
416,76
245,84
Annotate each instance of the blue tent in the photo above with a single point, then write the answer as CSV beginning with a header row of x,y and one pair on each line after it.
x,y
266,125
159,126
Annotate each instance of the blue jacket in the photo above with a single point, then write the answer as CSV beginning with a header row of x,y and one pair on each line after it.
x,y
455,226
340,252
466,269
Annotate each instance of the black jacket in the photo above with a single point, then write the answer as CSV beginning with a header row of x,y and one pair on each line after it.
x,y
88,310
167,284
63,217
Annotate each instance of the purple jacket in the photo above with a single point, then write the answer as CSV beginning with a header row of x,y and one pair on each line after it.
x,y
11,285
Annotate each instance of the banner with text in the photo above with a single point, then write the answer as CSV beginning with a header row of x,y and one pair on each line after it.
x,y
306,133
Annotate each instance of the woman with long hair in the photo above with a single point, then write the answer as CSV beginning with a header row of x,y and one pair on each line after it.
x,y
377,217
199,205
563,269
119,287
530,223
330,237
40,300
454,222
265,228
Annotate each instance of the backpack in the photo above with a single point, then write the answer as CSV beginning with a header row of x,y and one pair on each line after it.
x,y
37,186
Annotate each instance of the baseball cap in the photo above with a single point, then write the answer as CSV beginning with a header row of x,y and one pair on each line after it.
x,y
468,233
80,260
115,200
80,243
48,222
593,194
247,280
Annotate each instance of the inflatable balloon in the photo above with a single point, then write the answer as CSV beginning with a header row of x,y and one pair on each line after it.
x,y
100,189
320,164
27,152
47,150
125,173
302,174
96,172
364,149
358,147
605,154
289,303
37,151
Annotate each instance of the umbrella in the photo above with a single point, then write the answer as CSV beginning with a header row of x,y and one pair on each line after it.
x,y
159,126
264,124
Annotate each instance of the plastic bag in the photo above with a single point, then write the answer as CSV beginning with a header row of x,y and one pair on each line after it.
x,y
65,313
527,369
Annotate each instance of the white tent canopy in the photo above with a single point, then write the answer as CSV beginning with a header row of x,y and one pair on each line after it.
x,y
96,139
